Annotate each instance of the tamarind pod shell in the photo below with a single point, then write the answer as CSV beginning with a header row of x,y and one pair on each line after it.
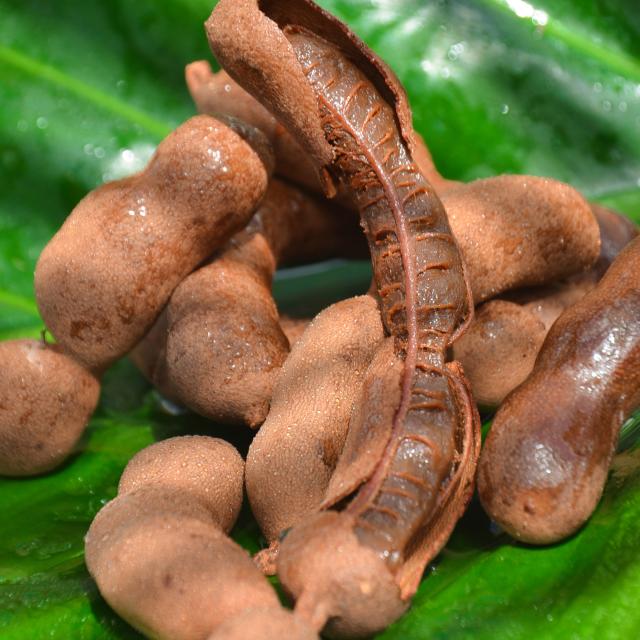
x,y
454,496
104,277
209,469
246,38
293,456
216,93
517,231
499,349
161,562
545,461
46,401
261,624
370,425
333,577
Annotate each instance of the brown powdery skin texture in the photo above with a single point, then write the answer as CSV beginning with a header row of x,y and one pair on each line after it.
x,y
499,349
351,115
208,468
293,456
46,401
147,232
159,553
546,458
265,624
517,231
219,346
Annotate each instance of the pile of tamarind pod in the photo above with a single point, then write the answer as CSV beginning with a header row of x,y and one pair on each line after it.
x,y
510,292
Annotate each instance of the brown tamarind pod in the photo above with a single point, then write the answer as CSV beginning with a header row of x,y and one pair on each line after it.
x,y
545,461
517,231
312,401
225,344
46,401
499,349
260,623
351,114
159,554
105,276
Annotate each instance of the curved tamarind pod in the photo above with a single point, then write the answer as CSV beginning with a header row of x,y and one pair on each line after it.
x,y
545,462
499,349
517,231
159,554
46,401
359,133
147,233
216,93
307,424
225,345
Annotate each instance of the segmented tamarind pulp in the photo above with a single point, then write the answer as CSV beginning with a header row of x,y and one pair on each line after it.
x,y
546,458
359,135
147,232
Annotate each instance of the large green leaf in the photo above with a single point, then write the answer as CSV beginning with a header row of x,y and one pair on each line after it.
x,y
86,92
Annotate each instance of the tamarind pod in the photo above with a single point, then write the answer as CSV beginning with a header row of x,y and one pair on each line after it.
x,y
147,233
307,424
225,345
358,134
517,231
408,234
545,462
158,552
46,401
216,93
499,349
210,344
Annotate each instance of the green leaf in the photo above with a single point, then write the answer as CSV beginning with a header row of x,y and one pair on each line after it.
x,y
86,92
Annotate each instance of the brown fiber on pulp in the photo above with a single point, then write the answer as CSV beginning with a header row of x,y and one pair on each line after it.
x,y
104,277
546,458
46,401
209,469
